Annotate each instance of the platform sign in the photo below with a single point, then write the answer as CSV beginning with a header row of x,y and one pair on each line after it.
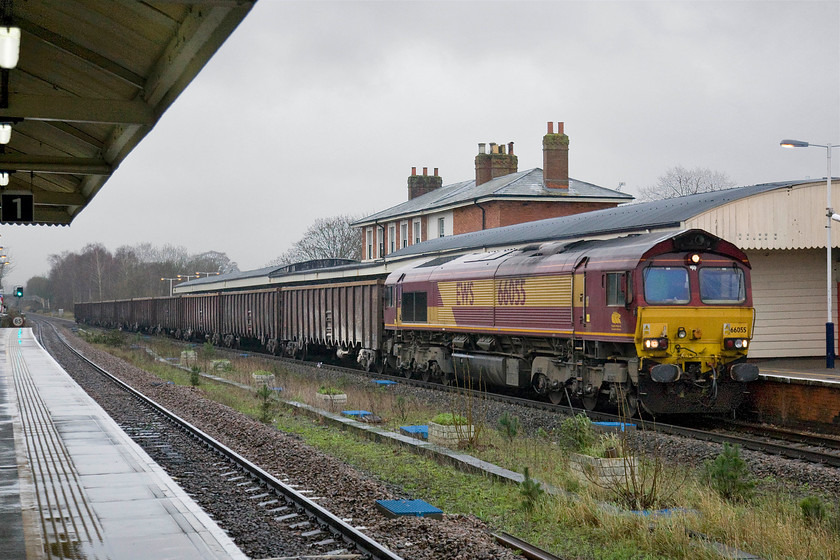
x,y
17,206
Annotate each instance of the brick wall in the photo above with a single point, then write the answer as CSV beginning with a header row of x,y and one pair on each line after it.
x,y
795,405
501,213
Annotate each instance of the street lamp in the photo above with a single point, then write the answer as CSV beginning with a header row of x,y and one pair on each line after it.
x,y
198,274
830,215
170,283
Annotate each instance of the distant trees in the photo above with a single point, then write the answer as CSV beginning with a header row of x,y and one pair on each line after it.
x,y
96,274
679,181
326,238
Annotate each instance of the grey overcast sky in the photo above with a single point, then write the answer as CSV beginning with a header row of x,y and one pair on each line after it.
x,y
312,109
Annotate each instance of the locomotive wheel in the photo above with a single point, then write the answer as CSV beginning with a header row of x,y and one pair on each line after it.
x,y
406,372
426,374
631,404
589,403
556,397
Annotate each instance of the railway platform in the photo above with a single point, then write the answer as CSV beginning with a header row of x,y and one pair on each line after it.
x,y
73,484
799,393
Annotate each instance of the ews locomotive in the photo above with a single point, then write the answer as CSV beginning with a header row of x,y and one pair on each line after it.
x,y
661,320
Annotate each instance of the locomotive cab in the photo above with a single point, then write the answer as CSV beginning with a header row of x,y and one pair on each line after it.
x,y
694,325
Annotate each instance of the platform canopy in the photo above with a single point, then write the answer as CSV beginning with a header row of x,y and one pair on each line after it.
x,y
92,79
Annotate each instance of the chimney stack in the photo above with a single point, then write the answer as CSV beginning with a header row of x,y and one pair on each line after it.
x,y
556,158
418,185
494,164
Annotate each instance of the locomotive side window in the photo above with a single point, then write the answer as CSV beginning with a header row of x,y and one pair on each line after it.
x,y
664,284
616,287
414,307
722,285
389,296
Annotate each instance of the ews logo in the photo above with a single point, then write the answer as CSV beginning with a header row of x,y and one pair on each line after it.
x,y
464,293
511,292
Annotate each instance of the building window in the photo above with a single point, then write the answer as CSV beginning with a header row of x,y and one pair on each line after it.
x,y
380,243
441,227
416,232
404,234
392,238
369,243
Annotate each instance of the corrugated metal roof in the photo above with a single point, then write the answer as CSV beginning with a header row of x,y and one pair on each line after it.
x,y
668,213
93,79
523,184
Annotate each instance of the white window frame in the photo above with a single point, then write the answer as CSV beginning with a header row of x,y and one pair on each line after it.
x,y
369,240
417,237
441,227
404,234
392,237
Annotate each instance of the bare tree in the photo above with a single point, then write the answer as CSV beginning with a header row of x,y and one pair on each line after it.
x,y
326,238
679,181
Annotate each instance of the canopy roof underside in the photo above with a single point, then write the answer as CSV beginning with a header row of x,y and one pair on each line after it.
x,y
93,79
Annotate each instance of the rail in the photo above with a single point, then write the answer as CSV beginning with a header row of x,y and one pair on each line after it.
x,y
359,540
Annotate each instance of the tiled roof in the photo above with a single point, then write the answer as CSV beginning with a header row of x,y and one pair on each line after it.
x,y
527,184
658,214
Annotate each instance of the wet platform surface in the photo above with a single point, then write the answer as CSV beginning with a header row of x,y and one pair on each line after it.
x,y
803,370
73,484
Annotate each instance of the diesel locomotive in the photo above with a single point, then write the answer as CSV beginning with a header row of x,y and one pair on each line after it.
x,y
658,320
661,321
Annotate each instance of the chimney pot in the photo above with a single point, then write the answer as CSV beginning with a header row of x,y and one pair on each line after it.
x,y
502,149
425,171
560,128
510,148
436,171
551,128
481,148
494,148
414,170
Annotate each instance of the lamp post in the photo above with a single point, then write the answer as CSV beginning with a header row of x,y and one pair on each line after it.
x,y
198,274
170,283
830,215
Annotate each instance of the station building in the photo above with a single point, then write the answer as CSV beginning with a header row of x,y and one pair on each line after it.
x,y
499,195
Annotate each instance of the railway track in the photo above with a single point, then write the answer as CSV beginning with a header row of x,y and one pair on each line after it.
x,y
310,528
814,448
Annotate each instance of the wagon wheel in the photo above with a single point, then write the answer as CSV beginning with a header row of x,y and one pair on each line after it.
x,y
407,372
556,397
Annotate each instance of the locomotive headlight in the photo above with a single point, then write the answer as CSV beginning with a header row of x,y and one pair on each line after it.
x,y
656,344
693,258
736,343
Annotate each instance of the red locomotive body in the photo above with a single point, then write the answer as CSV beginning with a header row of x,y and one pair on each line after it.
x,y
579,319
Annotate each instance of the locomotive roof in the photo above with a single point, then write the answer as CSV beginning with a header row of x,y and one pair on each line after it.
x,y
660,214
615,253
528,183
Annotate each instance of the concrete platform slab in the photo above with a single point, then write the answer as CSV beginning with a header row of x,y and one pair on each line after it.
x,y
73,484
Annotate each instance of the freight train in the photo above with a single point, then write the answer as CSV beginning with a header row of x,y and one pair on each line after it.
x,y
657,320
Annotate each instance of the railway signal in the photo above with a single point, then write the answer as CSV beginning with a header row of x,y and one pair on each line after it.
x,y
18,291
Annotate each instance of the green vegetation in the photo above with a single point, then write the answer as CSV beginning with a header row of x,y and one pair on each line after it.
x,y
729,476
449,419
768,519
329,390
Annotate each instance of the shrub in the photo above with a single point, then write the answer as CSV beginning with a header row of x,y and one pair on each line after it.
x,y
449,419
813,509
509,426
329,390
195,378
264,396
728,474
531,491
576,432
